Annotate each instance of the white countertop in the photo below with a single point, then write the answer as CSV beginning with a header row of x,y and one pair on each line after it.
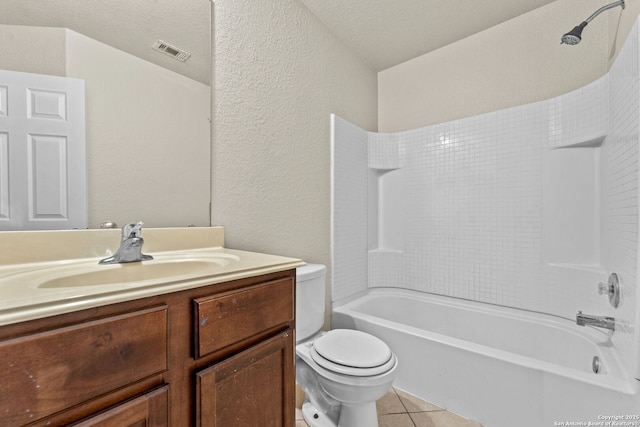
x,y
35,284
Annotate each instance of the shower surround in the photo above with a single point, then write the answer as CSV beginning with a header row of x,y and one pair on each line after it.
x,y
528,207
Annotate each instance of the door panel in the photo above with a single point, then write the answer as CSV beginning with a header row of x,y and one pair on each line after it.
x,y
43,179
47,177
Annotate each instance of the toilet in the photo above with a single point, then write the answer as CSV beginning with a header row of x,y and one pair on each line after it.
x,y
342,372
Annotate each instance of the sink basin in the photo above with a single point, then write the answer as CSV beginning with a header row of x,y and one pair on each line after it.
x,y
166,268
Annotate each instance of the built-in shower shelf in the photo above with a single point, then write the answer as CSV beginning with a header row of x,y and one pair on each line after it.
x,y
386,210
385,251
587,142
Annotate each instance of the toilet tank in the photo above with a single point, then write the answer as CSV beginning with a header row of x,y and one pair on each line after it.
x,y
310,290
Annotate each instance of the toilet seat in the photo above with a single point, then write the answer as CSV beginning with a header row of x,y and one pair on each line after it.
x,y
352,352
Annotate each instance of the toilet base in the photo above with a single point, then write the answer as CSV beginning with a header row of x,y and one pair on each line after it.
x,y
315,418
350,416
358,415
361,415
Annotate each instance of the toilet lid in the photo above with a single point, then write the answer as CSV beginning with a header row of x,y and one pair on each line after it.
x,y
356,349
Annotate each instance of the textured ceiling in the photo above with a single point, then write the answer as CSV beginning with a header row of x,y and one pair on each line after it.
x,y
388,32
383,32
129,25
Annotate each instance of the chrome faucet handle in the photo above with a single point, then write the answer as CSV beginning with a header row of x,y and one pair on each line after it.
x,y
611,289
132,230
130,249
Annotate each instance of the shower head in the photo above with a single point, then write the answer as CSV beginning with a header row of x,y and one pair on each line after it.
x,y
574,36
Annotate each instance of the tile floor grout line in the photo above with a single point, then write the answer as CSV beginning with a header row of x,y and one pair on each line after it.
x,y
404,406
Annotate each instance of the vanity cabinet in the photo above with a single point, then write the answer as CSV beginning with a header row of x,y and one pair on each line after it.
x,y
214,355
254,386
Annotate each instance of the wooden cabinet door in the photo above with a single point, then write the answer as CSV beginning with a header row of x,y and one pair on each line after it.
x,y
148,410
254,388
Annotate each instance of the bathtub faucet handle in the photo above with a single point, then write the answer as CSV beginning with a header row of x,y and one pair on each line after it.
x,y
603,288
612,289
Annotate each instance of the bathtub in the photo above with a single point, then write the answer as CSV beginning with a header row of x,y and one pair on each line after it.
x,y
502,367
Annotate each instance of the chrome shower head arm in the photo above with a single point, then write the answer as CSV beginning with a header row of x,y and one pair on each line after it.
x,y
603,8
575,36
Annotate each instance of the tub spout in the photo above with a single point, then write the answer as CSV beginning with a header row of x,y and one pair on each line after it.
x,y
597,321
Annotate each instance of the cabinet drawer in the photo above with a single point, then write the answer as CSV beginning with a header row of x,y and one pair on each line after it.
x,y
148,410
50,371
232,317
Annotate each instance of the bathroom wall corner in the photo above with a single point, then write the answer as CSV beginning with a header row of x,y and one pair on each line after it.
x,y
385,151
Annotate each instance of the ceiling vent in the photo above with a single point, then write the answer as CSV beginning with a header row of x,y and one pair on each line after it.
x,y
167,49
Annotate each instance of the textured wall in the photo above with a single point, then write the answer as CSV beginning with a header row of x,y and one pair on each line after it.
x,y
33,49
279,74
148,138
514,63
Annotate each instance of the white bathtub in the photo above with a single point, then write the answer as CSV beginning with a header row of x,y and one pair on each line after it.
x,y
499,366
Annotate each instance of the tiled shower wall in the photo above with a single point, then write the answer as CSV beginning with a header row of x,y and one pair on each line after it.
x,y
528,207
620,195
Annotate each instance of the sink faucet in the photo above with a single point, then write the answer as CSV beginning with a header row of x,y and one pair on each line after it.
x,y
130,246
597,321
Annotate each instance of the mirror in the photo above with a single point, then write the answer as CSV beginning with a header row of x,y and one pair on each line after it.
x,y
148,131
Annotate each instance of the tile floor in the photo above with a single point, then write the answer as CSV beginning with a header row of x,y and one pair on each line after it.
x,y
400,409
